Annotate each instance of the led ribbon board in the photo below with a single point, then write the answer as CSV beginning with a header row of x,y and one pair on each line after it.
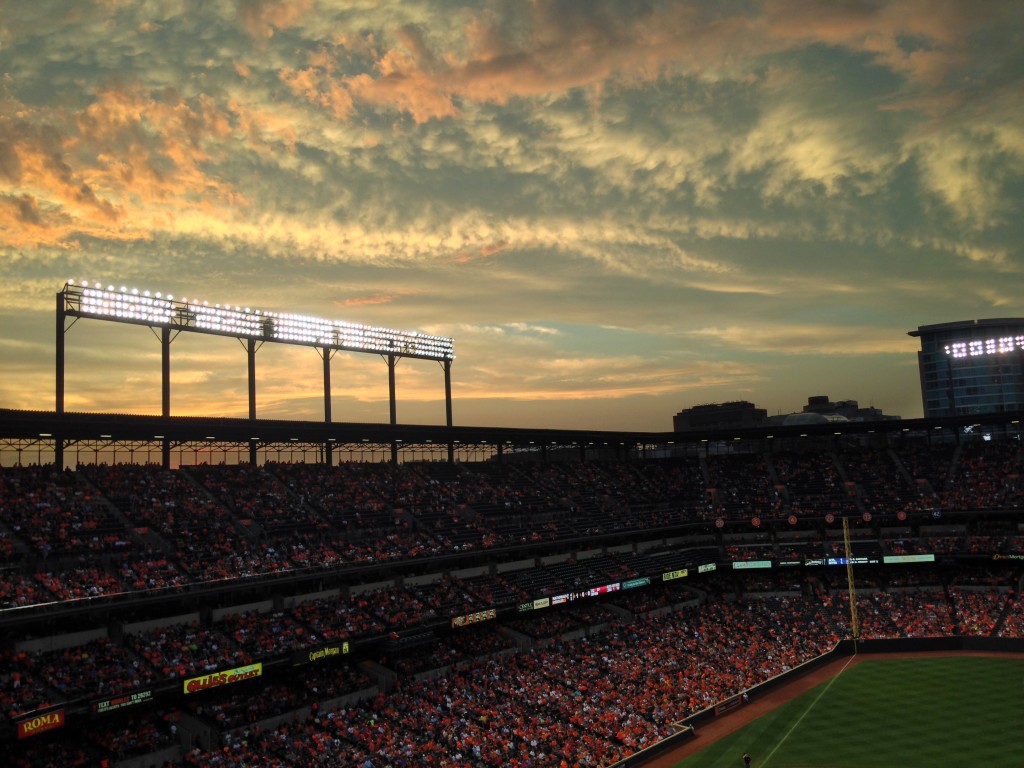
x,y
981,347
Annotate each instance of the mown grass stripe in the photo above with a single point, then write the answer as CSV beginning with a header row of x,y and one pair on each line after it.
x,y
814,702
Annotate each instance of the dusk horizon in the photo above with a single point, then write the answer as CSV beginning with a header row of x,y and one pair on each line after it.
x,y
617,211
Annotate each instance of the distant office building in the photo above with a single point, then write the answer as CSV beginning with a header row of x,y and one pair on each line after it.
x,y
849,409
734,415
821,410
971,366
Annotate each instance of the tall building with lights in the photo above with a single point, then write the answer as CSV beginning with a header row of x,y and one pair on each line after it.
x,y
971,366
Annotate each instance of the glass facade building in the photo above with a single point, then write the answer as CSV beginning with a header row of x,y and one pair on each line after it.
x,y
971,366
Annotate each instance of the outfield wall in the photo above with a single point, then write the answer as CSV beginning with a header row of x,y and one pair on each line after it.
x,y
932,644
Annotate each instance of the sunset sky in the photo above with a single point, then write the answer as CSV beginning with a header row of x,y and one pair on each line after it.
x,y
617,209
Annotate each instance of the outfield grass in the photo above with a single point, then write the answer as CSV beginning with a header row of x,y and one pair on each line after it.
x,y
944,712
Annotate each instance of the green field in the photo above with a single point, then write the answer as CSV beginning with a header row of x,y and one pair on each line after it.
x,y
945,712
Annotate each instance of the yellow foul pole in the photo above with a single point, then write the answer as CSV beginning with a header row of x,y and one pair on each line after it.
x,y
854,623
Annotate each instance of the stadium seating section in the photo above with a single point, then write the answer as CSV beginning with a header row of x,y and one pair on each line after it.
x,y
478,614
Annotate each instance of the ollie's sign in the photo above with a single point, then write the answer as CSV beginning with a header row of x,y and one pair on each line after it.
x,y
226,677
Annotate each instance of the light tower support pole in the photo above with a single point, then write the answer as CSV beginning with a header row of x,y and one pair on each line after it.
x,y
165,391
250,353
61,315
392,405
325,353
58,441
447,364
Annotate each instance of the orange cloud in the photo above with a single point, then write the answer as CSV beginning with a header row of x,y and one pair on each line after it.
x,y
316,84
924,39
100,171
260,18
560,46
364,301
43,194
262,128
483,252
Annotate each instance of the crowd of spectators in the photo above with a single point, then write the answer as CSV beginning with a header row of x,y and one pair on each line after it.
x,y
252,702
977,612
1012,624
814,485
183,649
581,682
916,613
583,702
143,528
986,477
99,668
136,734
591,699
880,482
57,517
742,487
21,689
70,752
438,652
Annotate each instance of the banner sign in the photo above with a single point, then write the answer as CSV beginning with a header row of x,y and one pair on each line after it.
x,y
474,618
533,605
604,590
908,559
228,676
121,702
633,583
41,723
851,560
328,651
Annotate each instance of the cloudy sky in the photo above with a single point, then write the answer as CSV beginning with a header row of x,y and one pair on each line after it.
x,y
616,209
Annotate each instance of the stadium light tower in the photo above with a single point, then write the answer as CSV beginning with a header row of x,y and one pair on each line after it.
x,y
168,317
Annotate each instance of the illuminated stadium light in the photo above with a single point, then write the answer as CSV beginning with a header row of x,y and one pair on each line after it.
x,y
156,309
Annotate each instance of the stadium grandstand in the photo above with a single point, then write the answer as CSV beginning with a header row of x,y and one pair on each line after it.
x,y
529,598
189,591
